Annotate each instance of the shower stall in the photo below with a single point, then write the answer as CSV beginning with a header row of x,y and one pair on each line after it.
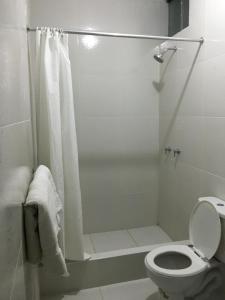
x,y
118,83
117,86
117,125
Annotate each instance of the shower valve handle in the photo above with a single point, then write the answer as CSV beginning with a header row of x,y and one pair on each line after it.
x,y
167,150
176,152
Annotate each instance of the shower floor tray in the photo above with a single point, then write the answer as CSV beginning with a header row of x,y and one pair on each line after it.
x,y
124,239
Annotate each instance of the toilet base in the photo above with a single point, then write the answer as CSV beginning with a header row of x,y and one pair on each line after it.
x,y
212,282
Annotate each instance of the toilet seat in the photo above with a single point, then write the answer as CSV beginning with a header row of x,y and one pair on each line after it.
x,y
197,263
205,235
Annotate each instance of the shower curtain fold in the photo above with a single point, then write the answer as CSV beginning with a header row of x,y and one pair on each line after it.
x,y
56,142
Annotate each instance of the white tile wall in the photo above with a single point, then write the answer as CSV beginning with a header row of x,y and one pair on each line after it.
x,y
12,61
13,13
107,15
191,117
16,159
117,122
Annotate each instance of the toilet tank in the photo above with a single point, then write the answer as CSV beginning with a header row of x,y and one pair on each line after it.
x,y
220,207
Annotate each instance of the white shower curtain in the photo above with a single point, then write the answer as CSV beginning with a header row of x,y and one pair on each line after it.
x,y
54,123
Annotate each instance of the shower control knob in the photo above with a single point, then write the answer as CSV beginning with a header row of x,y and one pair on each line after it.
x,y
176,152
167,150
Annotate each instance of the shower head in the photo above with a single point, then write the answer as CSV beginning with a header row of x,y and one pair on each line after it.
x,y
161,51
159,58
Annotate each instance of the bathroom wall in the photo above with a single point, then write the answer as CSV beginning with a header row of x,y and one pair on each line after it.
x,y
16,279
192,117
116,105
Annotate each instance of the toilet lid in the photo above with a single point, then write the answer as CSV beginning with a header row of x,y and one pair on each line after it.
x,y
205,229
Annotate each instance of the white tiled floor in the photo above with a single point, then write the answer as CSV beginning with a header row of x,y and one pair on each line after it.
x,y
88,294
112,240
143,289
151,235
122,239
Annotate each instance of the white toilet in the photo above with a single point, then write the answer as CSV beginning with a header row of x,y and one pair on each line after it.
x,y
185,271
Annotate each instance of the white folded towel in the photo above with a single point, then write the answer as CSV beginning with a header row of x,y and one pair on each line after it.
x,y
42,223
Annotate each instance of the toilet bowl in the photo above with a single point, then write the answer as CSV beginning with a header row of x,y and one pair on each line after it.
x,y
176,269
180,271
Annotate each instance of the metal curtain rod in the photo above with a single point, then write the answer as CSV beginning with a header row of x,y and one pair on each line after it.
x,y
127,35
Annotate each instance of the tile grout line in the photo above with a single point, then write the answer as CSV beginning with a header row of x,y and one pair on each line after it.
x,y
5,126
133,239
92,243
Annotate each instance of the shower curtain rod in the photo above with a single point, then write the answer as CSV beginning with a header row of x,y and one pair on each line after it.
x,y
127,35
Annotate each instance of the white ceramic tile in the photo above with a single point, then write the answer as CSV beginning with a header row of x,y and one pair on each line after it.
x,y
116,96
14,90
180,189
214,28
112,57
117,136
190,138
130,184
16,146
149,235
114,212
191,90
212,185
140,289
89,294
197,11
214,88
168,96
182,92
215,145
114,240
88,246
118,167
13,13
95,15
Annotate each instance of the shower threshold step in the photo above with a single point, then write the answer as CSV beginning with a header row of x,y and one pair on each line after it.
x,y
113,265
125,239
